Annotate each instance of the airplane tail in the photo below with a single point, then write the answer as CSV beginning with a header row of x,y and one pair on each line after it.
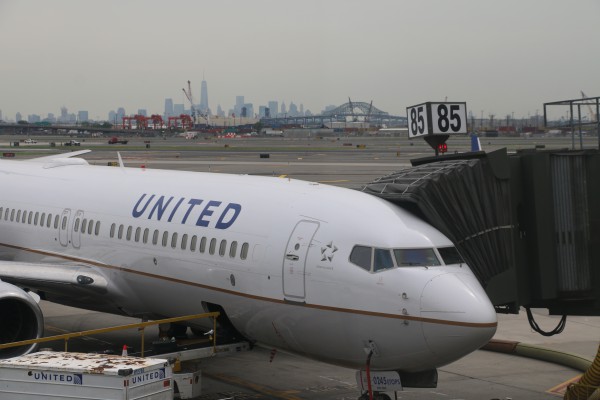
x,y
475,143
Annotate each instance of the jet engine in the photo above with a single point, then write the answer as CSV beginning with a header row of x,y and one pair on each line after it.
x,y
20,319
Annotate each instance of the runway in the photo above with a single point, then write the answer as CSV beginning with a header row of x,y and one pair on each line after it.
x,y
252,375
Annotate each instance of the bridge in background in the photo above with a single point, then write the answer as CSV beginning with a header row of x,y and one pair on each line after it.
x,y
349,112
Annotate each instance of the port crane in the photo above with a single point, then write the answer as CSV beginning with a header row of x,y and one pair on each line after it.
x,y
593,115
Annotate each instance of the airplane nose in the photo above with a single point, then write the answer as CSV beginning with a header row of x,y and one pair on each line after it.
x,y
458,317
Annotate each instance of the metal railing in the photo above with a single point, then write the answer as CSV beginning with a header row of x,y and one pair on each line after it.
x,y
141,326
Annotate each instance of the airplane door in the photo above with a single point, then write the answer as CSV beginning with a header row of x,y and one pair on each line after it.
x,y
76,233
294,261
63,227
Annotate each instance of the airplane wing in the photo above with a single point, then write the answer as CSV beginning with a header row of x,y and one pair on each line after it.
x,y
52,157
65,279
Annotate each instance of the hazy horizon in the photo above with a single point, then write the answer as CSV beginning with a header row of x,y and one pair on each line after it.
x,y
500,57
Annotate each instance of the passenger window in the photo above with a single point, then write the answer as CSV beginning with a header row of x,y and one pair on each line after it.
x,y
174,240
155,237
43,219
30,217
97,230
244,252
6,214
1,211
145,238
382,260
49,221
76,227
222,247
83,225
184,241
213,245
12,215
203,244
120,234
64,223
90,226
56,218
35,220
129,229
450,255
361,256
112,230
233,249
19,216
138,232
416,257
165,238
193,243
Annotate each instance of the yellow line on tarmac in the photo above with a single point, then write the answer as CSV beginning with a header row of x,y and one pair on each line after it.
x,y
282,176
272,393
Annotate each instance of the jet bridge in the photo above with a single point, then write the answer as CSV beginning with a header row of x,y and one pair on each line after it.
x,y
527,223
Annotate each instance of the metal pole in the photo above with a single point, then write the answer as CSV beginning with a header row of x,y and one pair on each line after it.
x,y
580,134
572,127
598,120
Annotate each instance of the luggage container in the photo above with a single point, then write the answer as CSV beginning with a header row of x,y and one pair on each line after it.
x,y
60,375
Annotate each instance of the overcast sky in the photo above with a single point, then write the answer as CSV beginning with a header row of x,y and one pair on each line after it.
x,y
498,56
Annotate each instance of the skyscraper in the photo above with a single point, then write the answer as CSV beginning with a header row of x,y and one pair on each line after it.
x,y
204,97
273,108
168,108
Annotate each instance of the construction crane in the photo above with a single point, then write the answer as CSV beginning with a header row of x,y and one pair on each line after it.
x,y
190,97
593,116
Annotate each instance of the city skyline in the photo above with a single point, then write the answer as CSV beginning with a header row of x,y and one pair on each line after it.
x,y
500,58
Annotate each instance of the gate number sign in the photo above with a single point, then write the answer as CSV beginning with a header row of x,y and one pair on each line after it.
x,y
436,118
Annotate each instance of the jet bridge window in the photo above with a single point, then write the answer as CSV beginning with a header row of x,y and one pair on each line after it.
x,y
416,257
450,255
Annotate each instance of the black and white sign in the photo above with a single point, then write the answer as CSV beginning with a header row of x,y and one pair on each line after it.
x,y
437,118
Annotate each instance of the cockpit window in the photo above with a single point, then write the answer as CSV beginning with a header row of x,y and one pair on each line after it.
x,y
416,257
361,256
382,260
450,255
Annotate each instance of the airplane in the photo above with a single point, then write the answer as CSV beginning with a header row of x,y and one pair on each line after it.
x,y
330,273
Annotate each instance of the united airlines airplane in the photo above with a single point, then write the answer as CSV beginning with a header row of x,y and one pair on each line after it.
x,y
326,272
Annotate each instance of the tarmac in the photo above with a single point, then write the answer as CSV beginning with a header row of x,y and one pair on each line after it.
x,y
257,374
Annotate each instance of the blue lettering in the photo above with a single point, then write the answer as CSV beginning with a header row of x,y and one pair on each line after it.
x,y
192,203
224,223
135,211
207,212
175,209
159,207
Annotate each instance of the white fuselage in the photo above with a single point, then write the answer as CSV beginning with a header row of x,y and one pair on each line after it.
x,y
279,264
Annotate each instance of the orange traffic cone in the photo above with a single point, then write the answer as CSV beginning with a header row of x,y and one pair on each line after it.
x,y
124,353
